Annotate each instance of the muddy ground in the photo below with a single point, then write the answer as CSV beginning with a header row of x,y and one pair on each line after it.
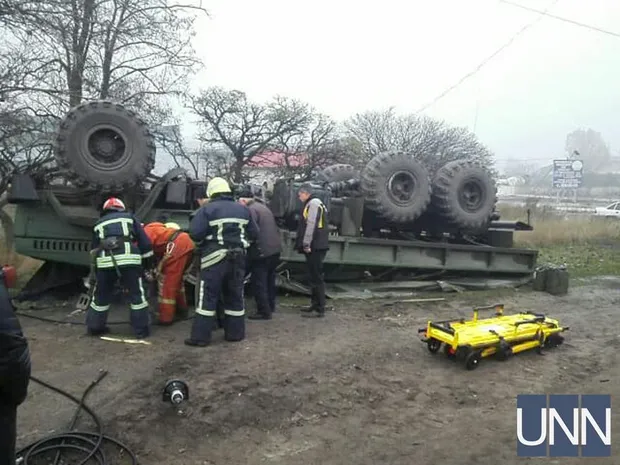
x,y
354,388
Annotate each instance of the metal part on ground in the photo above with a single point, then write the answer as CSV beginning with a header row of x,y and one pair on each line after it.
x,y
126,341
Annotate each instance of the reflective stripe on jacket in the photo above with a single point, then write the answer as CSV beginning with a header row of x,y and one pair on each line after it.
x,y
313,228
135,246
219,226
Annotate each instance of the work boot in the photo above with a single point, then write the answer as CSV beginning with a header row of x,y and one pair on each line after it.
x,y
259,316
195,343
308,309
98,332
318,314
142,333
200,335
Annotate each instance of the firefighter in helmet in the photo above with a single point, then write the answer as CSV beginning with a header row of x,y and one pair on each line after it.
x,y
223,230
120,251
174,251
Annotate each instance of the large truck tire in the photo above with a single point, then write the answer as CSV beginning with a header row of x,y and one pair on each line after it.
x,y
465,194
396,186
105,146
339,172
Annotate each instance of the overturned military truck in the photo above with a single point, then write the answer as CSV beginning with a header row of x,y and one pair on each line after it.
x,y
389,220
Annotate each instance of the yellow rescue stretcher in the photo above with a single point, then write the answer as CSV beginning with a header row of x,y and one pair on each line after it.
x,y
501,335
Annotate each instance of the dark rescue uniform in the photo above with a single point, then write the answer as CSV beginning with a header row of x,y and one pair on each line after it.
x,y
14,375
119,245
319,245
223,230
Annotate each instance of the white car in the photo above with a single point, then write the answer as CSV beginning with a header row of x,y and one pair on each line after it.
x,y
611,210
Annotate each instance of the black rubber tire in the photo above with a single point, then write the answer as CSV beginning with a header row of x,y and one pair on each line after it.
x,y
339,172
433,345
473,360
450,185
135,158
404,170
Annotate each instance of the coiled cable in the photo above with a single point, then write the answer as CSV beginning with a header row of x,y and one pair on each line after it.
x,y
88,443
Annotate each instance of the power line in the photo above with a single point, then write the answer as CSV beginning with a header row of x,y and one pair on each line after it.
x,y
487,60
566,20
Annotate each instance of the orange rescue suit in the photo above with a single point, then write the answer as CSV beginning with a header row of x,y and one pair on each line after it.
x,y
174,258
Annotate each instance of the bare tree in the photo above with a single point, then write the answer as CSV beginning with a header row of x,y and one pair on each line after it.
x,y
318,145
170,139
247,128
24,148
131,50
432,141
590,146
62,52
217,160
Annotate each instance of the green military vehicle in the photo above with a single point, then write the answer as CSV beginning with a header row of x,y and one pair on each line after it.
x,y
393,218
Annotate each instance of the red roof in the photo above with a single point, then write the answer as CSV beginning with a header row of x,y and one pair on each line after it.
x,y
276,160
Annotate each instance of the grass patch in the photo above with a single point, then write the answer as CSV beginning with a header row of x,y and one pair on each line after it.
x,y
584,260
552,228
588,245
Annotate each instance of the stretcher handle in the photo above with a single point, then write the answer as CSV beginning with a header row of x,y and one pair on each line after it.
x,y
538,319
499,310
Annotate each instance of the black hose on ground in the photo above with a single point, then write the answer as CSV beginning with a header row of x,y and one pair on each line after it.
x,y
79,323
88,443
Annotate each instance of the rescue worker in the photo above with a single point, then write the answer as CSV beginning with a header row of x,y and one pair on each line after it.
x,y
223,230
174,251
15,369
202,200
120,250
313,241
265,258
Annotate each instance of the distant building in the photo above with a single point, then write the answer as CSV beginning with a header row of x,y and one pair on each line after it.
x,y
267,166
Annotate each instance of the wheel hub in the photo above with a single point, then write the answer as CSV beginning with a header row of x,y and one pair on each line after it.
x,y
401,186
471,196
106,145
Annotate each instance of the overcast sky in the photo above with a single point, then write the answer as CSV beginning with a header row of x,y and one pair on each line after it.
x,y
347,56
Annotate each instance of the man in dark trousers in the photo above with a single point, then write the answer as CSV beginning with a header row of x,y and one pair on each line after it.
x,y
14,369
223,230
264,258
120,250
313,241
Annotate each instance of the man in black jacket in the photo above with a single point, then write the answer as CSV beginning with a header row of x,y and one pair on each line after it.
x,y
14,372
264,258
313,241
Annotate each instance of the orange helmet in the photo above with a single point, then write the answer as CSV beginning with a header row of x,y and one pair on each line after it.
x,y
114,204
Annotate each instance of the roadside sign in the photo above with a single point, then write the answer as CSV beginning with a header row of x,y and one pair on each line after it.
x,y
567,174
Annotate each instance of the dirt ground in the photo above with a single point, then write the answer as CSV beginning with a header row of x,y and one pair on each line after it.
x,y
357,387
